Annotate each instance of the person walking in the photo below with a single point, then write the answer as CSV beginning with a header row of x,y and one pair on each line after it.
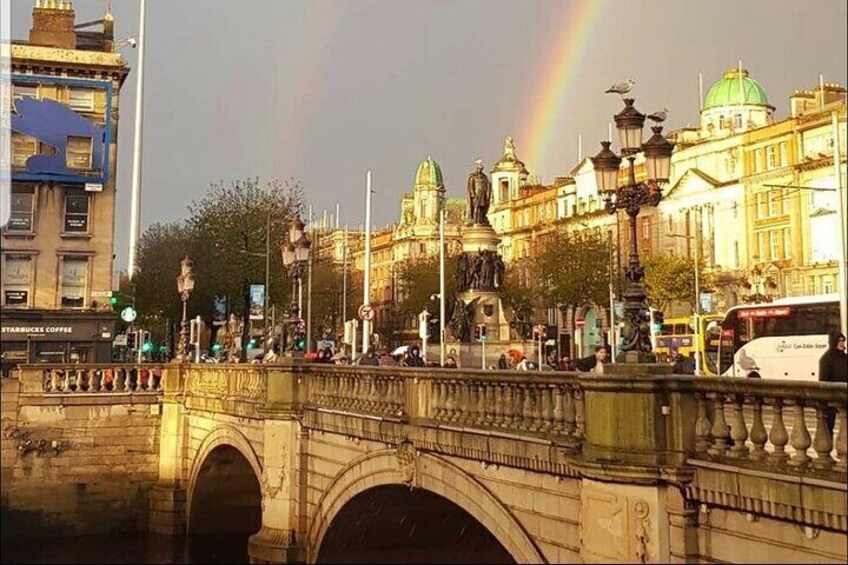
x,y
503,362
593,363
833,368
564,364
369,359
414,359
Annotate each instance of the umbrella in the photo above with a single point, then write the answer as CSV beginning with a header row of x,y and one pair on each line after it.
x,y
401,350
338,356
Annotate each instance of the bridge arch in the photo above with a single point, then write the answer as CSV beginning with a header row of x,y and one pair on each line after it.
x,y
434,474
220,439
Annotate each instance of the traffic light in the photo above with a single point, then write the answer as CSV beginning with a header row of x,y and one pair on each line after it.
x,y
480,332
217,347
131,340
300,342
146,343
659,320
114,302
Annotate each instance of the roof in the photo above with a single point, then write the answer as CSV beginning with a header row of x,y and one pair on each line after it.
x,y
429,173
735,90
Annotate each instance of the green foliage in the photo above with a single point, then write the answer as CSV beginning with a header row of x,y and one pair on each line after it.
x,y
670,278
573,268
225,237
418,280
328,299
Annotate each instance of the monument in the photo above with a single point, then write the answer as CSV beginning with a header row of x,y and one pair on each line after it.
x,y
480,268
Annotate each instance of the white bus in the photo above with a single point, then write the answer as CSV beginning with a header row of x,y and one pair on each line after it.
x,y
783,339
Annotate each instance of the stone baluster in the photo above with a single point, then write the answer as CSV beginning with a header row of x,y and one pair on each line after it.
x,y
341,392
538,410
471,409
570,414
702,425
759,437
461,400
438,400
823,443
559,409
479,401
738,428
71,380
374,402
45,380
397,395
97,383
579,413
720,430
547,408
498,393
390,398
842,440
450,402
490,404
508,393
354,392
800,436
55,381
778,436
526,408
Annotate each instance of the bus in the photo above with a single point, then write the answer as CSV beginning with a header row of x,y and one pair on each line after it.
x,y
676,335
783,339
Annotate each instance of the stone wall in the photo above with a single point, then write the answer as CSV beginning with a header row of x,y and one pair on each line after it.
x,y
90,465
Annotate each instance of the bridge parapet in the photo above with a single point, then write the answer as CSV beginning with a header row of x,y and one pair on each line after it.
x,y
112,378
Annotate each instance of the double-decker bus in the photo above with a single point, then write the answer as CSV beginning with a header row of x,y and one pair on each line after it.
x,y
676,335
783,339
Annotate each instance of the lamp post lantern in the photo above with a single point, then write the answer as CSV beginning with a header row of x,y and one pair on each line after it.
x,y
185,284
631,196
296,254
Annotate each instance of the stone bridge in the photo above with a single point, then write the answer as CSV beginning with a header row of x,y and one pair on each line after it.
x,y
323,462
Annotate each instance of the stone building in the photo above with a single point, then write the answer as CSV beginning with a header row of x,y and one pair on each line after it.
x,y
57,248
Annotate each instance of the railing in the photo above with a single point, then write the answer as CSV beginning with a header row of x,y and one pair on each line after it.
x,y
240,383
98,379
518,401
746,420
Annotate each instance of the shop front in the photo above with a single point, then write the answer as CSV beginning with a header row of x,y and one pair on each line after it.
x,y
31,336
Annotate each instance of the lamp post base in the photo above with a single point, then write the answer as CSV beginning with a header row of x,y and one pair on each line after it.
x,y
631,357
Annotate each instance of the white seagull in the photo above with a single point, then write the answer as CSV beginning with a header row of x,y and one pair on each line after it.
x,y
621,87
659,116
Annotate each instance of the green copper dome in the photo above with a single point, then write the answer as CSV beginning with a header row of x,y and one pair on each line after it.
x,y
429,173
728,91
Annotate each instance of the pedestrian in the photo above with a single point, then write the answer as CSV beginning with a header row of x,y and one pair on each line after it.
x,y
503,362
414,359
564,364
833,368
450,363
369,358
386,360
593,363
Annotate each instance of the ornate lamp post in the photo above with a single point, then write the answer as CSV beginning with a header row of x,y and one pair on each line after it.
x,y
296,255
631,196
185,284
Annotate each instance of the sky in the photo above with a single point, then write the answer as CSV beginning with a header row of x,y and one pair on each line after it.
x,y
322,90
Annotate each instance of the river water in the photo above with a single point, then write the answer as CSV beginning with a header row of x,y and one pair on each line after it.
x,y
127,548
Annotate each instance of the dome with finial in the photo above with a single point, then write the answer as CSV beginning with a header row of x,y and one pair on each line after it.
x,y
429,173
735,90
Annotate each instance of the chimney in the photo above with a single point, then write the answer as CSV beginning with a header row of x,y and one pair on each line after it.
x,y
53,24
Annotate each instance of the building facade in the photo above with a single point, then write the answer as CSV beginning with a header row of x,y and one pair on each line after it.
x,y
57,248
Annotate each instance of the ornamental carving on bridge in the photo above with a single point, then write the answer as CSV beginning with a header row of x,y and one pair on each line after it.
x,y
407,457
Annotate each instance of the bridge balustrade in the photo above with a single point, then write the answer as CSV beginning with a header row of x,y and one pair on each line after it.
x,y
746,420
517,401
100,379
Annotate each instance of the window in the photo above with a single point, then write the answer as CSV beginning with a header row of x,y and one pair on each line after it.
x,y
24,90
774,245
76,212
772,205
784,153
81,99
17,280
827,284
761,246
771,157
735,254
22,208
761,205
504,196
787,244
23,147
74,278
737,121
758,160
78,155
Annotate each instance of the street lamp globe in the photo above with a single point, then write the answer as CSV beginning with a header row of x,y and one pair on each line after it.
x,y
296,230
606,165
302,249
658,156
629,123
288,254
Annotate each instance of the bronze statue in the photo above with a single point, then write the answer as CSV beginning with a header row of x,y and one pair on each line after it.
x,y
462,318
479,195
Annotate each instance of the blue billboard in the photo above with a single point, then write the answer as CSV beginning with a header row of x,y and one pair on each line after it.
x,y
67,135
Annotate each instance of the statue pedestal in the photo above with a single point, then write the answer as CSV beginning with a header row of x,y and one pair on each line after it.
x,y
479,238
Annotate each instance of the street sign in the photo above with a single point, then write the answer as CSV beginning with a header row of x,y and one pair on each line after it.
x,y
128,314
120,340
366,312
580,322
706,302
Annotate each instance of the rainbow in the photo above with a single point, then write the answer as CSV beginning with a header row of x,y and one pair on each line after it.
x,y
548,109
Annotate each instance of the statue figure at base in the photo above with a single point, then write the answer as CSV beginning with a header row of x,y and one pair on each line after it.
x,y
479,195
